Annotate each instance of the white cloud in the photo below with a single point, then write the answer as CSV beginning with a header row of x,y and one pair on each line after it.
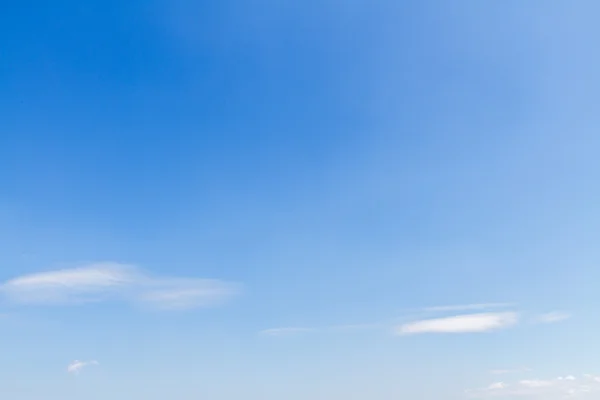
x,y
462,323
558,388
466,307
90,283
113,281
552,317
566,378
497,385
76,366
483,322
285,331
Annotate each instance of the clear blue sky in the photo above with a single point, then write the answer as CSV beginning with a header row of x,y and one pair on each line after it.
x,y
299,200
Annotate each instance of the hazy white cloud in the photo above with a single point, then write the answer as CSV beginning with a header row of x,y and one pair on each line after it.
x,y
285,331
567,378
113,281
76,366
586,387
91,283
497,385
462,323
188,293
552,317
482,322
467,307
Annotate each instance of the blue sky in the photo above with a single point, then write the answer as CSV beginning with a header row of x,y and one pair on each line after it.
x,y
303,200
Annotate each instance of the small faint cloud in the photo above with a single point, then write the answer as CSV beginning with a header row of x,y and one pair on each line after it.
x,y
332,329
567,378
469,323
285,331
183,294
497,385
113,281
552,317
76,366
354,327
467,307
586,387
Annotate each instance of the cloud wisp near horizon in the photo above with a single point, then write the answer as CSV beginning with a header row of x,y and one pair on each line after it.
x,y
586,386
108,281
453,323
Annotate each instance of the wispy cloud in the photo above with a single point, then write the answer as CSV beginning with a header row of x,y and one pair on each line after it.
x,y
467,307
462,323
288,331
113,281
552,317
90,283
76,366
285,331
468,323
354,327
496,386
587,386
180,294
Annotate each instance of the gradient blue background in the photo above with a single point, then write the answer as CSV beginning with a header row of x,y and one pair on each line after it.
x,y
344,160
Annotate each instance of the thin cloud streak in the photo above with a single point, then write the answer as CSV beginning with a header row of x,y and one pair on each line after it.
x,y
183,294
462,323
77,285
354,327
76,366
466,307
585,387
116,282
552,317
468,323
285,331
